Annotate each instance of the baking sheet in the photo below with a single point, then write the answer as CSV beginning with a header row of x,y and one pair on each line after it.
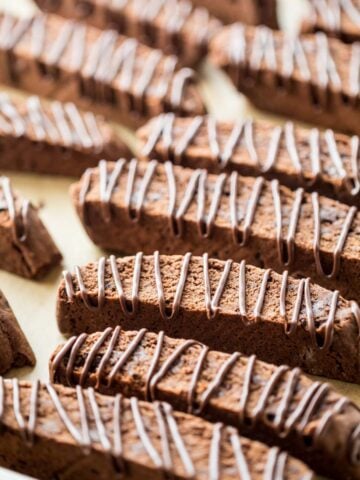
x,y
34,302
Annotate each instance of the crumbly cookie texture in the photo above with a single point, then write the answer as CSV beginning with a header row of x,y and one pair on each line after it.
x,y
14,347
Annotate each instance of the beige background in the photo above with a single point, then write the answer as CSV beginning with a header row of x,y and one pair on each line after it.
x,y
34,302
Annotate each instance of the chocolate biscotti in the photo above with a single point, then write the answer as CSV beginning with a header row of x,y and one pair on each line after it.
x,y
147,206
54,138
15,350
311,78
176,26
26,247
57,432
252,12
152,22
336,18
226,305
96,69
326,162
275,404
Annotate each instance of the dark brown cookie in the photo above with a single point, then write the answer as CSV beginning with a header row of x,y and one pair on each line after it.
x,y
15,350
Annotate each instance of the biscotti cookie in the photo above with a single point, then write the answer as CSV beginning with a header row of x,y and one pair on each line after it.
x,y
228,306
311,78
96,69
57,432
337,18
26,247
326,162
275,404
15,350
146,206
54,138
252,12
176,27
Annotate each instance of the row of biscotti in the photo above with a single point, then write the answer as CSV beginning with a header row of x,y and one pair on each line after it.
x,y
60,139
74,140
49,431
228,306
273,404
278,405
310,77
87,423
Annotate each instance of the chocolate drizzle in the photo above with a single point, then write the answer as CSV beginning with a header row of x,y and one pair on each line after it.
x,y
58,123
341,241
197,189
285,420
18,213
109,62
161,138
321,336
93,429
